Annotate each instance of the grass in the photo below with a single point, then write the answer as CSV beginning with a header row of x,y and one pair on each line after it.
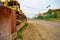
x,y
48,19
19,33
52,19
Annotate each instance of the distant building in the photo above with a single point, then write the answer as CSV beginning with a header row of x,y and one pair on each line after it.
x,y
55,12
51,13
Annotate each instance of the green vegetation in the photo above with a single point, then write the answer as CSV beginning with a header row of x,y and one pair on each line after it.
x,y
50,15
19,33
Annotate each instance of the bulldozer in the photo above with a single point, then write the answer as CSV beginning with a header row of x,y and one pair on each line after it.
x,y
11,19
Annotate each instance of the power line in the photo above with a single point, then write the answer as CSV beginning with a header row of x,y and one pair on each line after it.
x,y
31,7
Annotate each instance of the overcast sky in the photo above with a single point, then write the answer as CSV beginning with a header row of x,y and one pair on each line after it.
x,y
34,7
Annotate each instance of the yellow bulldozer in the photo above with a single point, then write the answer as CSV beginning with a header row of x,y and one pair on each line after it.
x,y
11,19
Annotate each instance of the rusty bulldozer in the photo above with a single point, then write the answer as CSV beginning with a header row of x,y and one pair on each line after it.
x,y
11,19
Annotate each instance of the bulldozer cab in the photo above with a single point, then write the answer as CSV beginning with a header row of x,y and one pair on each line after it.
x,y
14,3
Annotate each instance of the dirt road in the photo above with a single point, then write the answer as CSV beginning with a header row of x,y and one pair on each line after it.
x,y
42,30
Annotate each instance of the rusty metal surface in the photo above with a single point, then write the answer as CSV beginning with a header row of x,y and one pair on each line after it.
x,y
7,22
